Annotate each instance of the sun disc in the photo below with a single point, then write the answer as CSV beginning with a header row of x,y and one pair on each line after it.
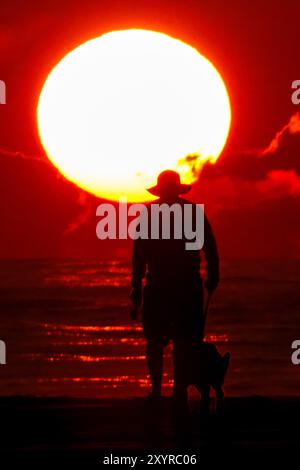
x,y
124,106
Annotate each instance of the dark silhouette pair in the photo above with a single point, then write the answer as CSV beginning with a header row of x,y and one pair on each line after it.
x,y
172,301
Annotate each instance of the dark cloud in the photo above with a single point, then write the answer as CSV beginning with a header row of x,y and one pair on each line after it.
x,y
44,215
282,153
85,203
292,127
253,198
36,204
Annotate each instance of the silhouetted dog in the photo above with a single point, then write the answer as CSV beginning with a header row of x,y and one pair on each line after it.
x,y
207,368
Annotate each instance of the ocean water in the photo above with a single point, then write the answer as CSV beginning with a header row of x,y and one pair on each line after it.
x,y
67,329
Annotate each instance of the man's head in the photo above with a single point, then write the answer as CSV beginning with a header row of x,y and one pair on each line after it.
x,y
169,185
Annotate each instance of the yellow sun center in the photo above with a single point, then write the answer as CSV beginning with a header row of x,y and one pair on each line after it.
x,y
121,108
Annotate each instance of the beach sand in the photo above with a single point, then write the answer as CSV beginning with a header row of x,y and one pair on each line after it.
x,y
80,433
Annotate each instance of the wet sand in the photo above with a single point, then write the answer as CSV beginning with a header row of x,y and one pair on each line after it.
x,y
79,433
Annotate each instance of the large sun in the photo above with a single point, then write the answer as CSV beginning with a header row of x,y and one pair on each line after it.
x,y
122,107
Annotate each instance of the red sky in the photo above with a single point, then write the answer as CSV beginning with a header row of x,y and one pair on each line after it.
x,y
252,197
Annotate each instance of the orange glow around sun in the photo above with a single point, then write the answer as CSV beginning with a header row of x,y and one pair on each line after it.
x,y
122,107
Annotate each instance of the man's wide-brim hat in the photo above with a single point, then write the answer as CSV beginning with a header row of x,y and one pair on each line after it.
x,y
168,182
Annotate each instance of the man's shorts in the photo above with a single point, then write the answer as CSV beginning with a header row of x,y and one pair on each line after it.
x,y
174,312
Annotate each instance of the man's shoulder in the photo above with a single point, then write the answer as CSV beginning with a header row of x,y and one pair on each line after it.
x,y
179,201
186,201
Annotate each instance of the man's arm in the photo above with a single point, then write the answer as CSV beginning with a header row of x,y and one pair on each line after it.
x,y
138,273
212,258
138,263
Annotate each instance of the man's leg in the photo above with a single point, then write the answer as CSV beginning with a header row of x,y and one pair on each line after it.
x,y
180,391
155,351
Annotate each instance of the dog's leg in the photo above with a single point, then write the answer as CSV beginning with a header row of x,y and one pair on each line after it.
x,y
219,401
219,382
205,400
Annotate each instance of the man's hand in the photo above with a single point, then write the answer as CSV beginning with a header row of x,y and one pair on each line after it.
x,y
211,286
134,313
136,295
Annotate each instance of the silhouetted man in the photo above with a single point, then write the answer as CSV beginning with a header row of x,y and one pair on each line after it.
x,y
173,294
